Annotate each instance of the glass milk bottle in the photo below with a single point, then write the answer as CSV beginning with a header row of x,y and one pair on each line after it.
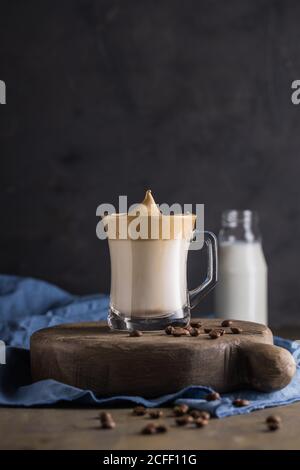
x,y
241,292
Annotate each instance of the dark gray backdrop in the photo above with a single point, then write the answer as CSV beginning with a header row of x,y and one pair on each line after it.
x,y
189,98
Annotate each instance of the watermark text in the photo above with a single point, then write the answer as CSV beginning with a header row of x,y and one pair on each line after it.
x,y
2,92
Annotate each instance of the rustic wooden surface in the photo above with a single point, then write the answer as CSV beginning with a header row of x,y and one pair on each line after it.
x,y
78,429
90,356
69,428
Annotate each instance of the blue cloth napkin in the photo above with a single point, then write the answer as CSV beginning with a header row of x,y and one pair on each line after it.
x,y
27,305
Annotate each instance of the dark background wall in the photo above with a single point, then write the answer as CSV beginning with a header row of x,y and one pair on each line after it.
x,y
188,98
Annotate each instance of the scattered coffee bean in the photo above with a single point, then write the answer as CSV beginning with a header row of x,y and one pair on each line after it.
x,y
195,414
180,332
205,415
200,422
213,396
149,429
221,331
200,414
153,428
214,334
139,411
195,332
110,424
180,410
105,416
160,428
177,333
197,324
226,323
155,414
169,330
186,331
236,331
107,421
135,333
273,426
239,402
184,420
207,330
273,419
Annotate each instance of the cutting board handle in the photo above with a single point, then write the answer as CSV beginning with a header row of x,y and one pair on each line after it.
x,y
266,367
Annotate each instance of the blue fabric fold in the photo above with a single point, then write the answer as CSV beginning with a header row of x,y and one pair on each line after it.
x,y
27,305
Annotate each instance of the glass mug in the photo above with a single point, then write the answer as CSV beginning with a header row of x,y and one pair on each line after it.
x,y
149,273
149,282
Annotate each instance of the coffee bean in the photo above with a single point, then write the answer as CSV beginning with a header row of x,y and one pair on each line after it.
x,y
106,420
239,402
214,334
273,419
177,333
155,414
195,332
213,396
207,330
180,332
139,411
184,420
153,428
226,323
180,410
186,331
205,415
105,416
149,429
109,424
221,331
135,333
169,330
197,324
160,428
273,426
200,414
200,422
236,331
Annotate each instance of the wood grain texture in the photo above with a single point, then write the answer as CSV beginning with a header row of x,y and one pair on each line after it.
x,y
90,356
71,428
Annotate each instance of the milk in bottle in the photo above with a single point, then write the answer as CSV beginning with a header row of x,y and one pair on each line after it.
x,y
241,292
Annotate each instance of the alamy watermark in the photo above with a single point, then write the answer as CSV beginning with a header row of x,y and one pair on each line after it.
x,y
2,92
2,353
295,96
141,223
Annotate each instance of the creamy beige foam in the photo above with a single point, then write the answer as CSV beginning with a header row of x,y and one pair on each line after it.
x,y
147,207
146,222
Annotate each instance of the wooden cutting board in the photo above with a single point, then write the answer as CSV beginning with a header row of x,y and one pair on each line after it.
x,y
90,356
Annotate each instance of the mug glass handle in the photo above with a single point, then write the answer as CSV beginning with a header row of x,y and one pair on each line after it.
x,y
195,295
